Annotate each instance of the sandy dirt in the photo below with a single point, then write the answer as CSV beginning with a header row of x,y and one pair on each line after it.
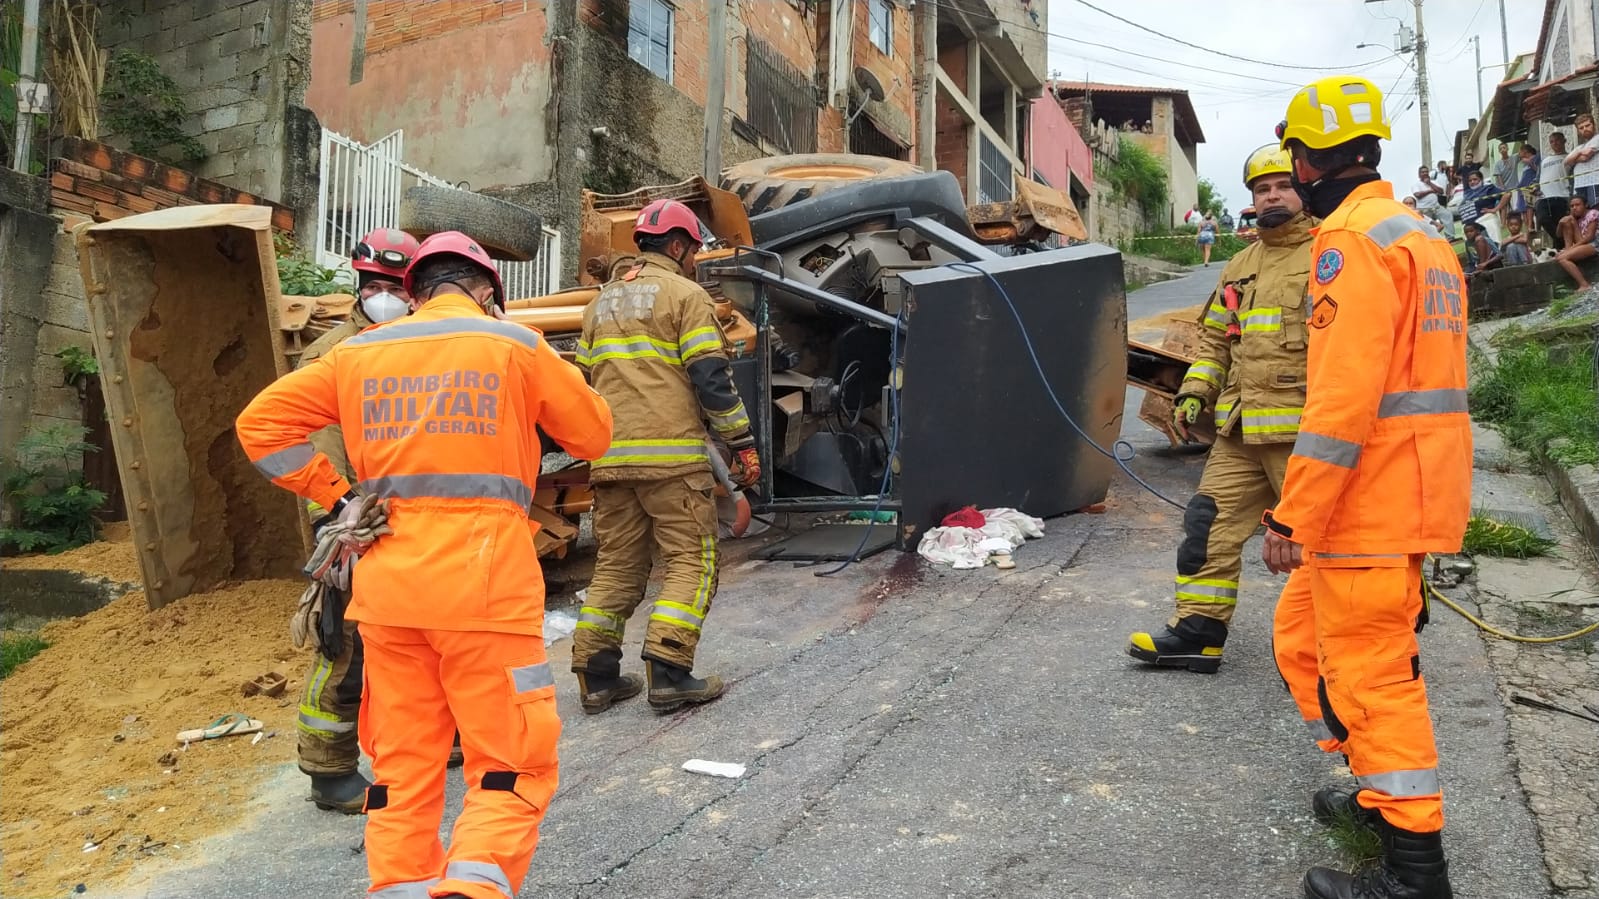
x,y
1159,322
92,781
114,557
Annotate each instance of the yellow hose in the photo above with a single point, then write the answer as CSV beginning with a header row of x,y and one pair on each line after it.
x,y
1502,634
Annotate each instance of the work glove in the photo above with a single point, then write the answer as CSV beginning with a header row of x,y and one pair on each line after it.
x,y
1186,412
745,469
340,542
320,616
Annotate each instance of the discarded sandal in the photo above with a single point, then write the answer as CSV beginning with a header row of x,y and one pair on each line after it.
x,y
230,725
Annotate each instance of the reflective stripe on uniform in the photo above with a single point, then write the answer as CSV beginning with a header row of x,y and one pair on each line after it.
x,y
1422,402
581,357
702,592
1207,590
1261,319
652,452
1415,782
1223,410
1216,317
1360,555
698,341
414,889
632,347
285,462
1319,730
1272,421
479,872
320,723
735,419
1205,370
1390,230
607,623
677,613
1331,450
448,327
450,486
532,677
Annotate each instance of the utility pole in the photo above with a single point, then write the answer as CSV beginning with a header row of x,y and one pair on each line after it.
x,y
927,84
21,151
1504,39
715,91
1476,41
1421,84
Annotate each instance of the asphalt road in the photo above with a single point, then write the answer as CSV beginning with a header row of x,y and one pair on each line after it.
x,y
913,732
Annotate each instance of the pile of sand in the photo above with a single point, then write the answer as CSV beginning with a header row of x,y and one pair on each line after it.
x,y
114,558
87,723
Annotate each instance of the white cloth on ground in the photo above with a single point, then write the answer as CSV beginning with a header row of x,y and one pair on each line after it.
x,y
963,548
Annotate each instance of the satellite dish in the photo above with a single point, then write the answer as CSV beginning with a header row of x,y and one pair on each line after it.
x,y
869,84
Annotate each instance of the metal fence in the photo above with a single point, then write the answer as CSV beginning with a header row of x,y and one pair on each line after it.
x,y
361,189
994,179
782,99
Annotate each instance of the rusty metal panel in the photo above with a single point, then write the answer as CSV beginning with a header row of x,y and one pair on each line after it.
x,y
184,309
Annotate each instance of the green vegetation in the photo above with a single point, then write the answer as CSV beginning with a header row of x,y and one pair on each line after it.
x,y
1358,842
1487,537
54,506
18,648
299,277
1180,247
1139,176
77,364
1564,300
1210,199
1544,402
140,102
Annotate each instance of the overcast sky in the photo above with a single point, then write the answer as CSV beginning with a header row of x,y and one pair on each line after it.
x,y
1242,101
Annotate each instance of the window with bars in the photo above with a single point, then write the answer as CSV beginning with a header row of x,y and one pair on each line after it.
x,y
867,139
880,25
649,36
782,100
994,172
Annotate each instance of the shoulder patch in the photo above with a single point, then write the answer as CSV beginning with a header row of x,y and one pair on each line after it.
x,y
1328,265
1323,313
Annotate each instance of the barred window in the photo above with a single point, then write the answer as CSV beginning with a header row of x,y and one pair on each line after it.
x,y
782,100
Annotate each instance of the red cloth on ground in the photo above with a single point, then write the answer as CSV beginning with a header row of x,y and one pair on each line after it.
x,y
968,517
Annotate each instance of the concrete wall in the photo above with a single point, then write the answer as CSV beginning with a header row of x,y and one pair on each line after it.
x,y
1113,219
472,108
241,64
41,312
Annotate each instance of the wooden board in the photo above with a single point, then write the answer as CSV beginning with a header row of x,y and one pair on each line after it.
x,y
183,304
1161,375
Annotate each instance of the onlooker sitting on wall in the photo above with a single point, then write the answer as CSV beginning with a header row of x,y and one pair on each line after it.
x,y
1554,187
1481,253
1429,198
1409,201
1580,243
1479,198
1516,249
1579,215
1584,162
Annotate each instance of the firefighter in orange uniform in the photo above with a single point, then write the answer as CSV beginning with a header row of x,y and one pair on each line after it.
x,y
653,349
1380,475
440,414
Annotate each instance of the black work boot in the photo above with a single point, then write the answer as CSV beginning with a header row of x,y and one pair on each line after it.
x,y
1194,643
672,687
599,692
1331,804
343,793
457,758
1412,867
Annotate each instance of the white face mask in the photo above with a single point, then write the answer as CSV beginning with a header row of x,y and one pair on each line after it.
x,y
384,307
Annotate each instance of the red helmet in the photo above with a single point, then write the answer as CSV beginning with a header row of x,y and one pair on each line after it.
x,y
386,251
473,262
664,216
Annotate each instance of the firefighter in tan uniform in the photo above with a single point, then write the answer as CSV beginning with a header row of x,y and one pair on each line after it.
x,y
1250,375
329,708
653,350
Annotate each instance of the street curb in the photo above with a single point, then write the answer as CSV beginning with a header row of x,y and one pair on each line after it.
x,y
1578,487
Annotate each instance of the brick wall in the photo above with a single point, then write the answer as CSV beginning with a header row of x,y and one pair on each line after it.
x,y
240,64
396,23
95,182
950,135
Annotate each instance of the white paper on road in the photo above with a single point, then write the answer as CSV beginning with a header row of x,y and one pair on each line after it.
x,y
715,769
558,626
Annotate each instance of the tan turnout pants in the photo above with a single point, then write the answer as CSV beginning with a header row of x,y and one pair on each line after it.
x,y
329,709
634,520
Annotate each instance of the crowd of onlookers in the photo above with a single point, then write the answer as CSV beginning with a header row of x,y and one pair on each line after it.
x,y
1519,207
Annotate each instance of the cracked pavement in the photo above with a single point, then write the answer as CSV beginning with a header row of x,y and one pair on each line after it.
x,y
917,732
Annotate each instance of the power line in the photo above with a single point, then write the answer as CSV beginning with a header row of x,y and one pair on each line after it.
x,y
1293,84
1233,56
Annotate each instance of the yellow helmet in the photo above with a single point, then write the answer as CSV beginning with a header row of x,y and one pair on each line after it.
x,y
1270,159
1334,110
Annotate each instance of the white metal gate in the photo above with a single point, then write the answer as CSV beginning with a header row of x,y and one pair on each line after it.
x,y
361,189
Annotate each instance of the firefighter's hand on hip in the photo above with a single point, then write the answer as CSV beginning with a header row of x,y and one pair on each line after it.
x,y
1281,554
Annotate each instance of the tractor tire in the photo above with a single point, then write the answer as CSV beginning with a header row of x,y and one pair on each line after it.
x,y
773,182
508,232
936,195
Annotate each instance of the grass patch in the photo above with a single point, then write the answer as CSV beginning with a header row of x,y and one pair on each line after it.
x,y
1562,304
1358,843
1135,285
1535,397
1487,537
18,648
1179,247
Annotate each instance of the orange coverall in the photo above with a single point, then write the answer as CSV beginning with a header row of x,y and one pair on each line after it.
x,y
439,412
1380,475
